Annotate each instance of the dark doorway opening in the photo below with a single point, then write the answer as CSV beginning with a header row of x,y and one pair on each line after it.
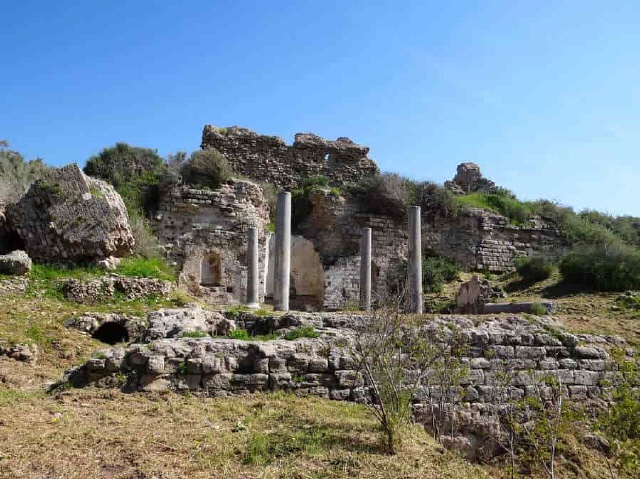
x,y
111,333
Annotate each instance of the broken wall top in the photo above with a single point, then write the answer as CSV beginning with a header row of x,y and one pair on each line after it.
x,y
270,159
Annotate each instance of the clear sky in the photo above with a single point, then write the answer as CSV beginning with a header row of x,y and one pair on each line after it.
x,y
544,95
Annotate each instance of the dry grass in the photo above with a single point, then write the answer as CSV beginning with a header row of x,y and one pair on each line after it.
x,y
98,434
107,434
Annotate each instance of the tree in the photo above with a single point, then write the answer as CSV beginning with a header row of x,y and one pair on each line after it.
x,y
401,360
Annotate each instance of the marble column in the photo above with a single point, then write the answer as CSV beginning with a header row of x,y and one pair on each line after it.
x,y
282,260
365,270
253,268
415,260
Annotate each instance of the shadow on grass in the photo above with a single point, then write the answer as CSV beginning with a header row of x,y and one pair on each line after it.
x,y
266,447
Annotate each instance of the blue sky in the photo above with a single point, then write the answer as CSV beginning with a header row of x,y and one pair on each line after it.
x,y
544,95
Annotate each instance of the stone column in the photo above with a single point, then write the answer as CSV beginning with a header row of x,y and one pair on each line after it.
x,y
415,260
282,259
365,270
253,269
267,241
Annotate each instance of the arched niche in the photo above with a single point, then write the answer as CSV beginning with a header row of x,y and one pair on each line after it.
x,y
211,270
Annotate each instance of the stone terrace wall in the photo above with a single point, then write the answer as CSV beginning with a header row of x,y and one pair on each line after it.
x,y
525,348
270,159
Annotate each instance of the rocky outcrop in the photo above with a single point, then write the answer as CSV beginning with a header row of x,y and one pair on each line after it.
x,y
15,263
69,217
270,159
469,179
105,288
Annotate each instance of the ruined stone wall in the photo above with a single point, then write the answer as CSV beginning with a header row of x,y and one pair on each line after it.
x,y
270,159
335,226
202,227
526,349
481,240
476,239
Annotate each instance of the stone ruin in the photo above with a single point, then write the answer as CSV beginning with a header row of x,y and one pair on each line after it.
x,y
185,350
270,159
469,179
204,231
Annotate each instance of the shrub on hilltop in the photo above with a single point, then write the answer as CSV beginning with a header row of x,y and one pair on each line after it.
x,y
16,174
206,168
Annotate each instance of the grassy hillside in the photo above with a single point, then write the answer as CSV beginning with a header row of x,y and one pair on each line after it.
x,y
109,434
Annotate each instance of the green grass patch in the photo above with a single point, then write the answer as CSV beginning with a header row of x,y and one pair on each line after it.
x,y
196,334
139,267
243,335
504,203
302,332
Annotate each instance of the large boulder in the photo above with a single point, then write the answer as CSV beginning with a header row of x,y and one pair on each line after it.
x,y
69,217
15,263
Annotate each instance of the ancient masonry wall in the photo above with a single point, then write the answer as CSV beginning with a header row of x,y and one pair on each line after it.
x,y
476,239
524,348
481,240
270,159
205,235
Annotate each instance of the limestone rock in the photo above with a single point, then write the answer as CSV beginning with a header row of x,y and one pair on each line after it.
x,y
15,263
69,217
173,323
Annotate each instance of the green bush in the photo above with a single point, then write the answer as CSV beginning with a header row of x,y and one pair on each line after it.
x,y
120,163
436,202
437,270
538,309
146,243
243,335
134,172
206,168
602,268
621,421
195,334
388,194
535,268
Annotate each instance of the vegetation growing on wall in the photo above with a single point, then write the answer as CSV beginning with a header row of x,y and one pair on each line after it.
x,y
391,194
206,168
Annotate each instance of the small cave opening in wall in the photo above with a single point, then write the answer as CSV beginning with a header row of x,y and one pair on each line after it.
x,y
111,333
